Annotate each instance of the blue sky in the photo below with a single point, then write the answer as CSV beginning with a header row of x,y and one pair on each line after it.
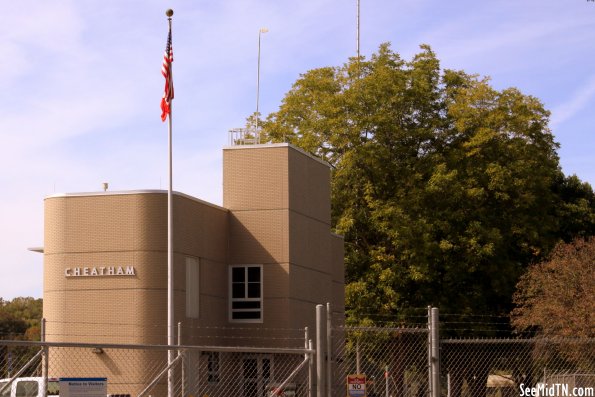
x,y
81,86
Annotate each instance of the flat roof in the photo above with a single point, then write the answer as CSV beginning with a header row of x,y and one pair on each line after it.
x,y
133,192
276,145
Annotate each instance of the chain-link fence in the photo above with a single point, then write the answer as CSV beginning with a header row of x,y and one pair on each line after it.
x,y
501,367
403,362
396,363
142,370
16,356
394,360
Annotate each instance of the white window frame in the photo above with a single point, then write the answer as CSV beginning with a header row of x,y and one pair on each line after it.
x,y
232,300
192,287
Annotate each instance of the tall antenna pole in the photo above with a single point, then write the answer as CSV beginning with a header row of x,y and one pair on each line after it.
x,y
357,40
260,32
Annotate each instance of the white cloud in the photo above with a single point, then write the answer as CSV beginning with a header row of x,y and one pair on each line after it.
x,y
580,99
504,44
30,30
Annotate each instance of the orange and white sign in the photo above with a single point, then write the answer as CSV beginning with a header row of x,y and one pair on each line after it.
x,y
356,385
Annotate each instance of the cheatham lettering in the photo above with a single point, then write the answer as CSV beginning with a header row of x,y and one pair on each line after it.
x,y
98,271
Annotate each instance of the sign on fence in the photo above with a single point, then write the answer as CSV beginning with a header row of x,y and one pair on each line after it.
x,y
83,387
356,386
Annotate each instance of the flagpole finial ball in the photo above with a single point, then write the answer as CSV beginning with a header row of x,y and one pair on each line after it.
x,y
169,12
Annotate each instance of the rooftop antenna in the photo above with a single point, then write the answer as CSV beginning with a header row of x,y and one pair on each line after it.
x,y
249,135
357,28
260,32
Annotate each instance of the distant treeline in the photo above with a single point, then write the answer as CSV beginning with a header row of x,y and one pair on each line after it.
x,y
20,318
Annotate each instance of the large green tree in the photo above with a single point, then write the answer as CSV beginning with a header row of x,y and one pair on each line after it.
x,y
442,185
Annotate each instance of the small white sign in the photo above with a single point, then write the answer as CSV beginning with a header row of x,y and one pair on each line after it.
x,y
83,387
356,386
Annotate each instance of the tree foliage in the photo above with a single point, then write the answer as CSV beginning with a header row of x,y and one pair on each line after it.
x,y
576,209
556,296
442,185
11,327
20,318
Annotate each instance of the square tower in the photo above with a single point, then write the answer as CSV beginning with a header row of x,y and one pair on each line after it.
x,y
280,221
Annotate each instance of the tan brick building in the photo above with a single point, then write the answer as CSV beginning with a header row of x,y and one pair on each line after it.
x,y
259,263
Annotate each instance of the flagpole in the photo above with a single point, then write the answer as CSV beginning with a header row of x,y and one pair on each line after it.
x,y
170,265
170,252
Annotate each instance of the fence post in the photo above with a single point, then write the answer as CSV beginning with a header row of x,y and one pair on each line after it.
x,y
329,349
430,394
311,369
386,375
183,385
358,368
309,357
320,350
435,354
44,361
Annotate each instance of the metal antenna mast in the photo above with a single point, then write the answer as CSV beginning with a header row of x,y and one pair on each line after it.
x,y
260,32
357,40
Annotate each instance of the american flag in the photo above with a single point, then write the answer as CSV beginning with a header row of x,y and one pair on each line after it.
x,y
166,71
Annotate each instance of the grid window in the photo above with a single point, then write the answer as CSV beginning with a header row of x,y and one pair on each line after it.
x,y
246,293
212,366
